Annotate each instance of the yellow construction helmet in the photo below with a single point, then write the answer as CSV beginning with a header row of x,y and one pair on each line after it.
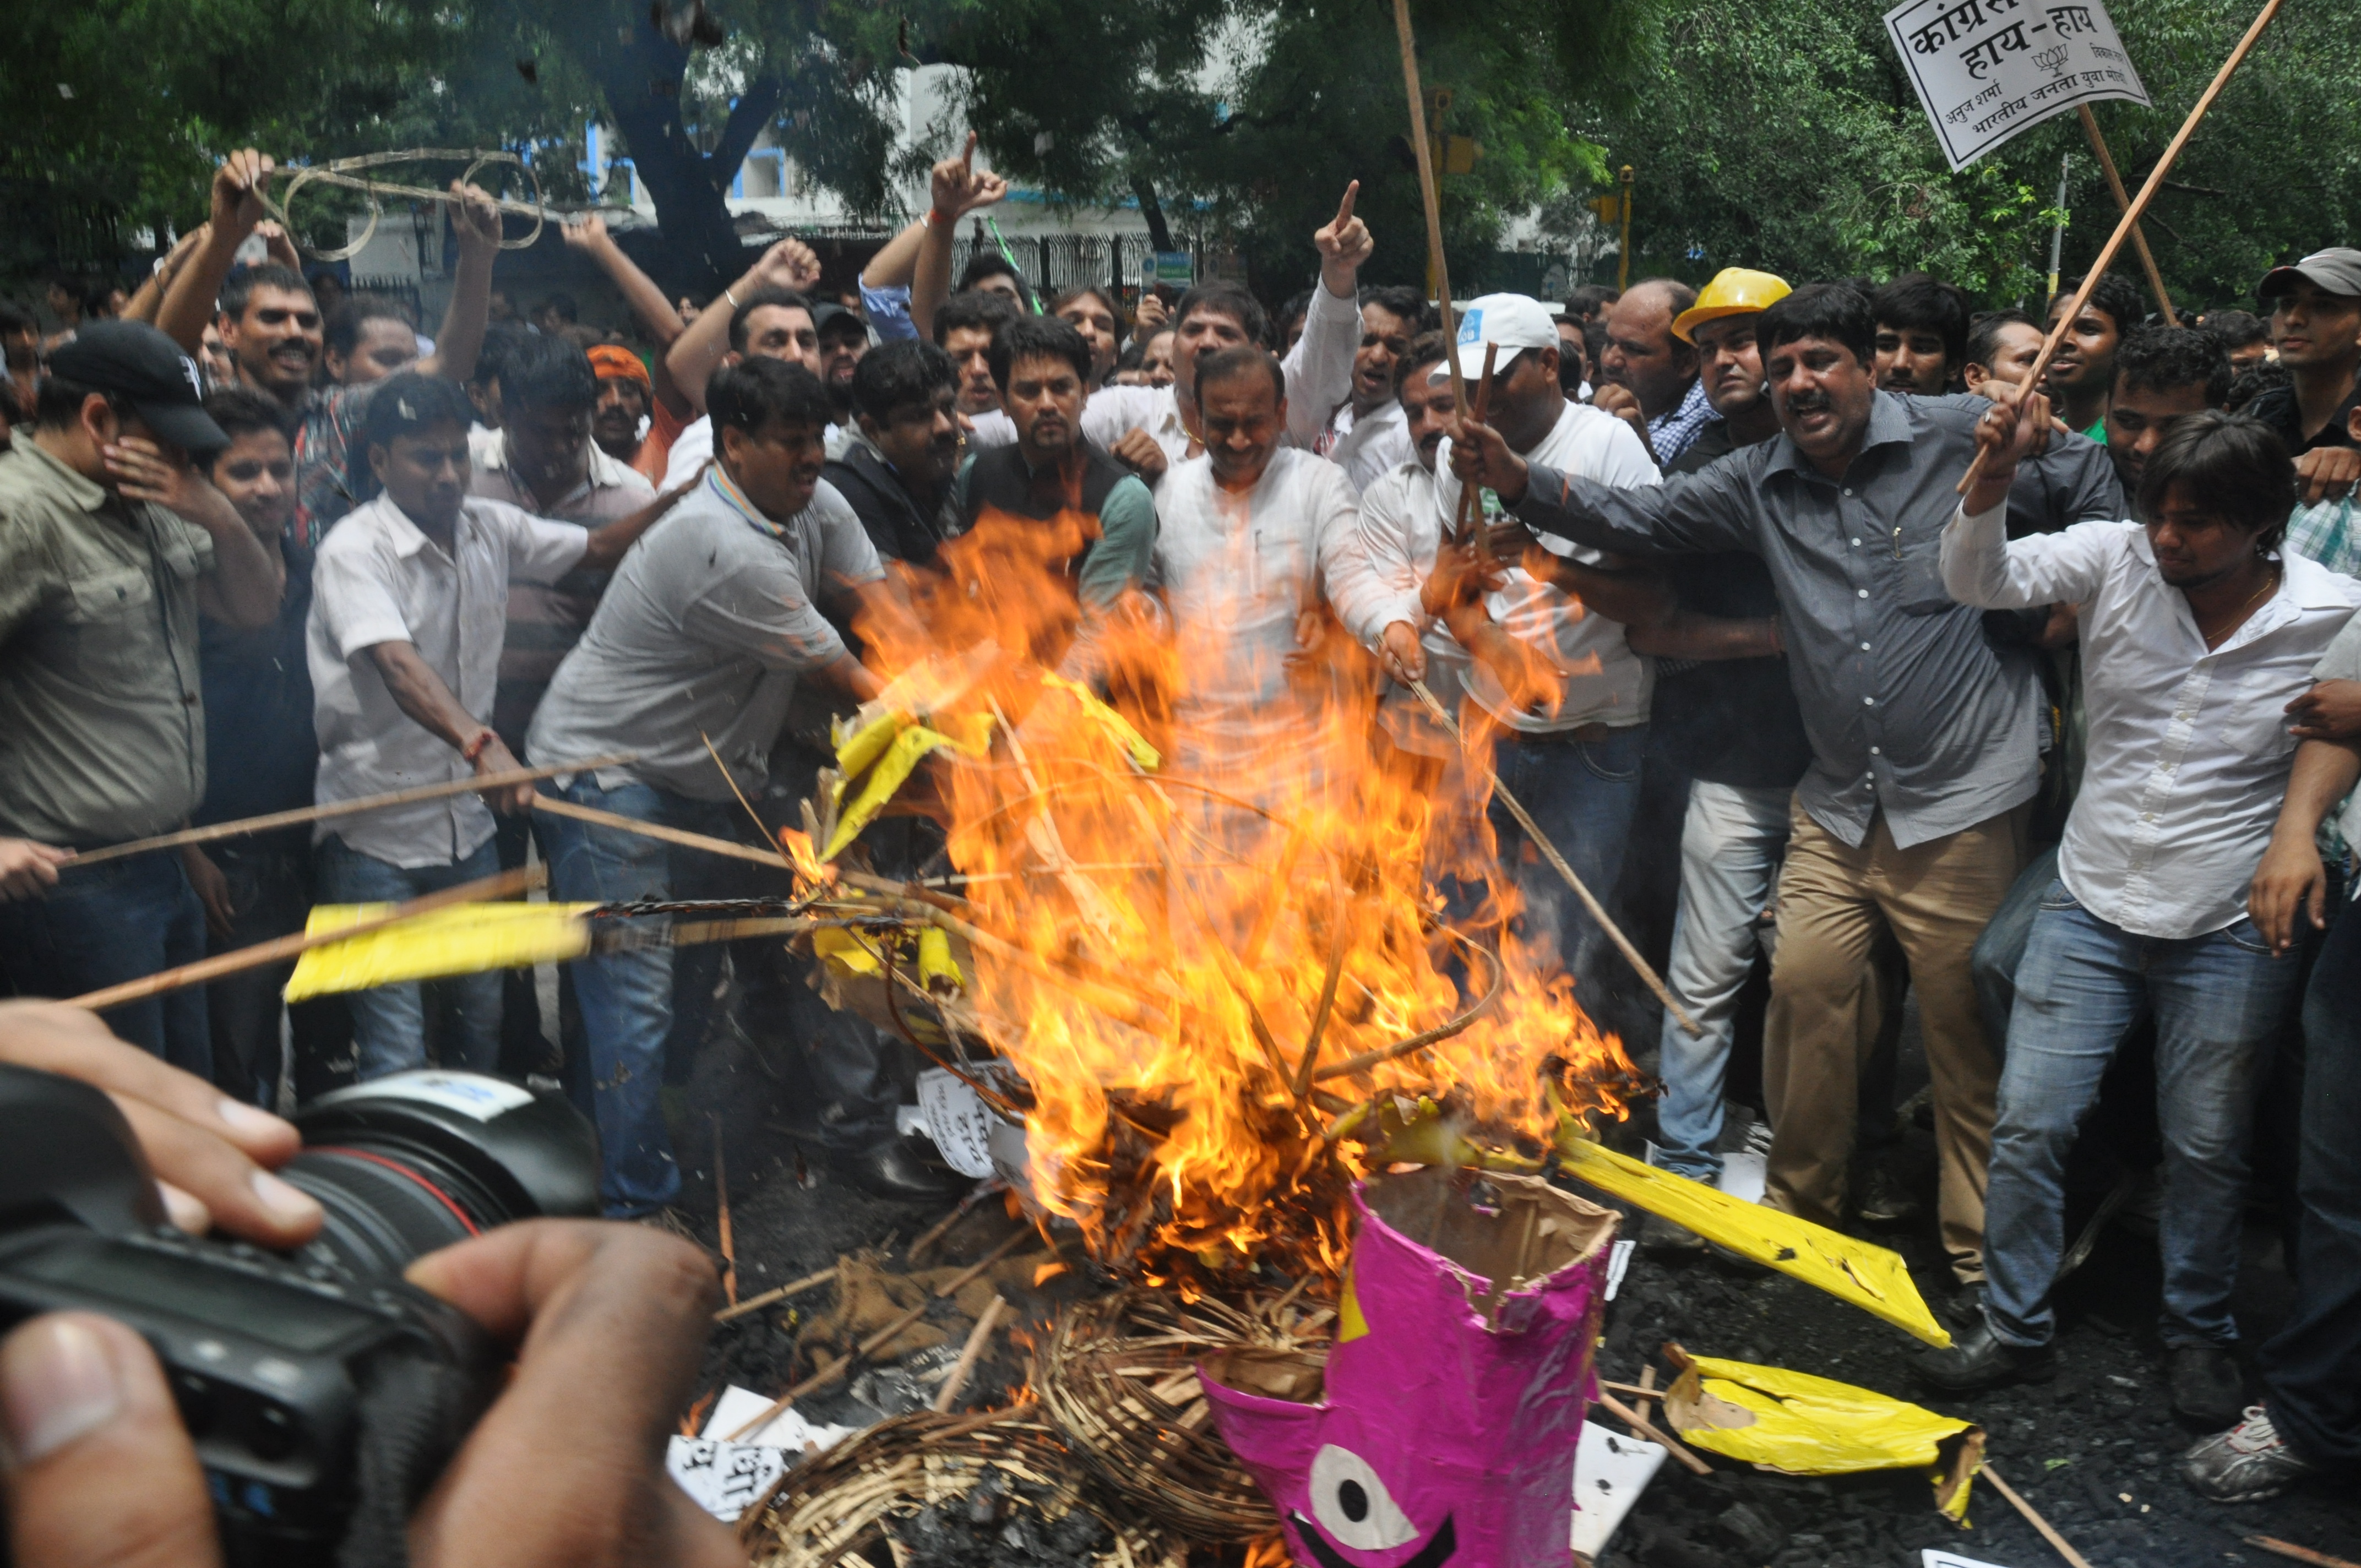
x,y
1734,291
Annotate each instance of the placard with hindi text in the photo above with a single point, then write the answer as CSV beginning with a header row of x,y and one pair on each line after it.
x,y
1986,70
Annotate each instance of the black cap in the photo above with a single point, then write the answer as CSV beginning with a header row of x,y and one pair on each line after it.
x,y
146,369
826,314
2335,271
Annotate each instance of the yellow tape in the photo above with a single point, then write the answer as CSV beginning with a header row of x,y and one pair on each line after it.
x,y
1869,1277
467,939
1117,728
935,961
899,761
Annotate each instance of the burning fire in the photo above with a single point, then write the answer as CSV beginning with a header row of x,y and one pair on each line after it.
x,y
1205,964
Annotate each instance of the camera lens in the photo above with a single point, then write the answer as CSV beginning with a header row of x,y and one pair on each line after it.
x,y
415,1161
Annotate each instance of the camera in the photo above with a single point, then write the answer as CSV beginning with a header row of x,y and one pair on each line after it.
x,y
324,1393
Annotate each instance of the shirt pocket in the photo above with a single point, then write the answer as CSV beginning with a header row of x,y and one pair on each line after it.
x,y
109,596
2254,718
1921,574
111,629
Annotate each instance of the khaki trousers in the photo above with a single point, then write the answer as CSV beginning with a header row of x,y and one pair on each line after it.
x,y
1835,905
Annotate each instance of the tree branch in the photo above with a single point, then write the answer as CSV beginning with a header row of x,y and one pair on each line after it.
x,y
755,108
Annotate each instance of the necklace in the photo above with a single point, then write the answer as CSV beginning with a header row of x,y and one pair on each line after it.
x,y
2238,617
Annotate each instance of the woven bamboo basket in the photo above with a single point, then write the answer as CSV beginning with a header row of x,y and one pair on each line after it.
x,y
832,1510
1117,1376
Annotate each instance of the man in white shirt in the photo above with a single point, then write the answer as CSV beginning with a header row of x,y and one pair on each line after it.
x,y
2198,633
1249,534
703,636
1551,674
769,321
1151,429
404,648
1367,436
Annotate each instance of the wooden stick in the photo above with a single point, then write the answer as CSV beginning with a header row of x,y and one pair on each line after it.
x,y
1429,195
1647,1429
2155,182
336,809
2057,1542
2123,204
506,884
884,1336
686,841
756,1303
2300,1553
721,1202
936,1232
978,1338
1647,1389
1549,852
1471,504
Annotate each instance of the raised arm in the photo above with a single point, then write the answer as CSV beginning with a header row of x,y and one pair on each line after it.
x,y
655,315
189,300
248,575
609,542
461,339
146,304
1982,566
957,190
697,353
1320,366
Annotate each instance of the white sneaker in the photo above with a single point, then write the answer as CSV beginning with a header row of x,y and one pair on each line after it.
x,y
2250,1462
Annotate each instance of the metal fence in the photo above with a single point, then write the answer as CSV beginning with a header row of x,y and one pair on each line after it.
x,y
1053,263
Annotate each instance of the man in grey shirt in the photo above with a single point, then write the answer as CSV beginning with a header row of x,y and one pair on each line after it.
x,y
703,633
1925,736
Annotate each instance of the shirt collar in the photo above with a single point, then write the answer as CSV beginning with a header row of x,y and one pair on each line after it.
x,y
81,490
407,538
603,472
1889,424
736,499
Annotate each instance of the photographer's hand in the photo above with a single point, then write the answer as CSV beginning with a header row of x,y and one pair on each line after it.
x,y
566,1469
211,1154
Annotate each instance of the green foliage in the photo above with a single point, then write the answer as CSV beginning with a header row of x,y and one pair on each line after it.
x,y
1786,137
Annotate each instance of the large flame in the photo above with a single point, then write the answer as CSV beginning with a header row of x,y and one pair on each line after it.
x,y
1177,937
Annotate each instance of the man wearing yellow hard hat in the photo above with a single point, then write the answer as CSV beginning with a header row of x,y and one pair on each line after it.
x,y
1726,714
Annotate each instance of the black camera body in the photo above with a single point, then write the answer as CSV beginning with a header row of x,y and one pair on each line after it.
x,y
324,1393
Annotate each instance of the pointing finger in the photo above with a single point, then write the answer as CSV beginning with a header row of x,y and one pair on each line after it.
x,y
967,157
1345,207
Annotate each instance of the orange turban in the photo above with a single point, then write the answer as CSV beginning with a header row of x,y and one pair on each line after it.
x,y
608,359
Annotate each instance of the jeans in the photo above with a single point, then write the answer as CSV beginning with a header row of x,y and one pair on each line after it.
x,y
2001,948
107,924
2312,1367
1730,846
270,896
389,1021
2217,1000
1581,794
627,997
523,1048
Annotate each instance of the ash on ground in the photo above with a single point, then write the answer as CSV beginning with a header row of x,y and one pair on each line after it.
x,y
1001,1524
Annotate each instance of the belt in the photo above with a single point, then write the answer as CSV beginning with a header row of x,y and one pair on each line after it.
x,y
1589,734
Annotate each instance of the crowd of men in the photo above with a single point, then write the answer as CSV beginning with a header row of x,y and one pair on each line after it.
x,y
2065,755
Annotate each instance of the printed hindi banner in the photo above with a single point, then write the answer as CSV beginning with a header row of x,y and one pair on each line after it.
x,y
1986,70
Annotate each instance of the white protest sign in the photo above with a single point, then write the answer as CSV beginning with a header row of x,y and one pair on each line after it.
x,y
1986,70
958,1121
725,1478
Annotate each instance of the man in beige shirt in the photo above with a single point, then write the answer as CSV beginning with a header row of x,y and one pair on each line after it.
x,y
110,543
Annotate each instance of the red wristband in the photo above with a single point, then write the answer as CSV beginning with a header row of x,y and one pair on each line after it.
x,y
475,748
937,218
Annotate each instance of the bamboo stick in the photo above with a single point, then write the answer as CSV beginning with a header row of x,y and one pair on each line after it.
x,y
2058,1542
721,1203
1647,1429
506,884
686,841
2300,1553
1429,195
335,808
1557,861
2106,256
969,1353
1471,505
2123,204
884,1336
756,1303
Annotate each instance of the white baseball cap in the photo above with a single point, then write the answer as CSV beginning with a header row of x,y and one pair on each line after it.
x,y
1515,321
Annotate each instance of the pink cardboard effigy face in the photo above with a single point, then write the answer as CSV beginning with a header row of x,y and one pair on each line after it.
x,y
1442,1428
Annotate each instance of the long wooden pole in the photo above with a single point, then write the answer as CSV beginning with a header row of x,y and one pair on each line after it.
x,y
2123,204
335,808
508,884
686,841
1429,195
2131,217
2058,1542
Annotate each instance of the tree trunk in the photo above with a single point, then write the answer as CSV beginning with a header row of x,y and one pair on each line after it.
x,y
1159,233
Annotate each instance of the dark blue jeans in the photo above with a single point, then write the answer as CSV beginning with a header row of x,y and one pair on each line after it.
x,y
389,1021
2312,1367
102,926
1582,794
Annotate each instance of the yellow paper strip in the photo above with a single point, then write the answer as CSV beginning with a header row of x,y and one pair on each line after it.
x,y
467,938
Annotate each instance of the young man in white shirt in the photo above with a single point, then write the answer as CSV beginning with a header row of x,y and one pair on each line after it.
x,y
1367,436
698,646
1563,692
768,316
2198,633
409,595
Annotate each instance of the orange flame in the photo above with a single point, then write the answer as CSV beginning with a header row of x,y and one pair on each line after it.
x,y
1184,935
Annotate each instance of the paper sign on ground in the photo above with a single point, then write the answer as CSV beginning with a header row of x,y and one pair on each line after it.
x,y
958,1121
1743,1174
725,1478
1986,70
1934,1559
1611,1471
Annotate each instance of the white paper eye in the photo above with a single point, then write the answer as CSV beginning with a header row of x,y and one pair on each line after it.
x,y
1353,1505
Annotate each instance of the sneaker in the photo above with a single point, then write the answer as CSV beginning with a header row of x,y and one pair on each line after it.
x,y
2207,1386
1883,1200
2245,1464
1662,1236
